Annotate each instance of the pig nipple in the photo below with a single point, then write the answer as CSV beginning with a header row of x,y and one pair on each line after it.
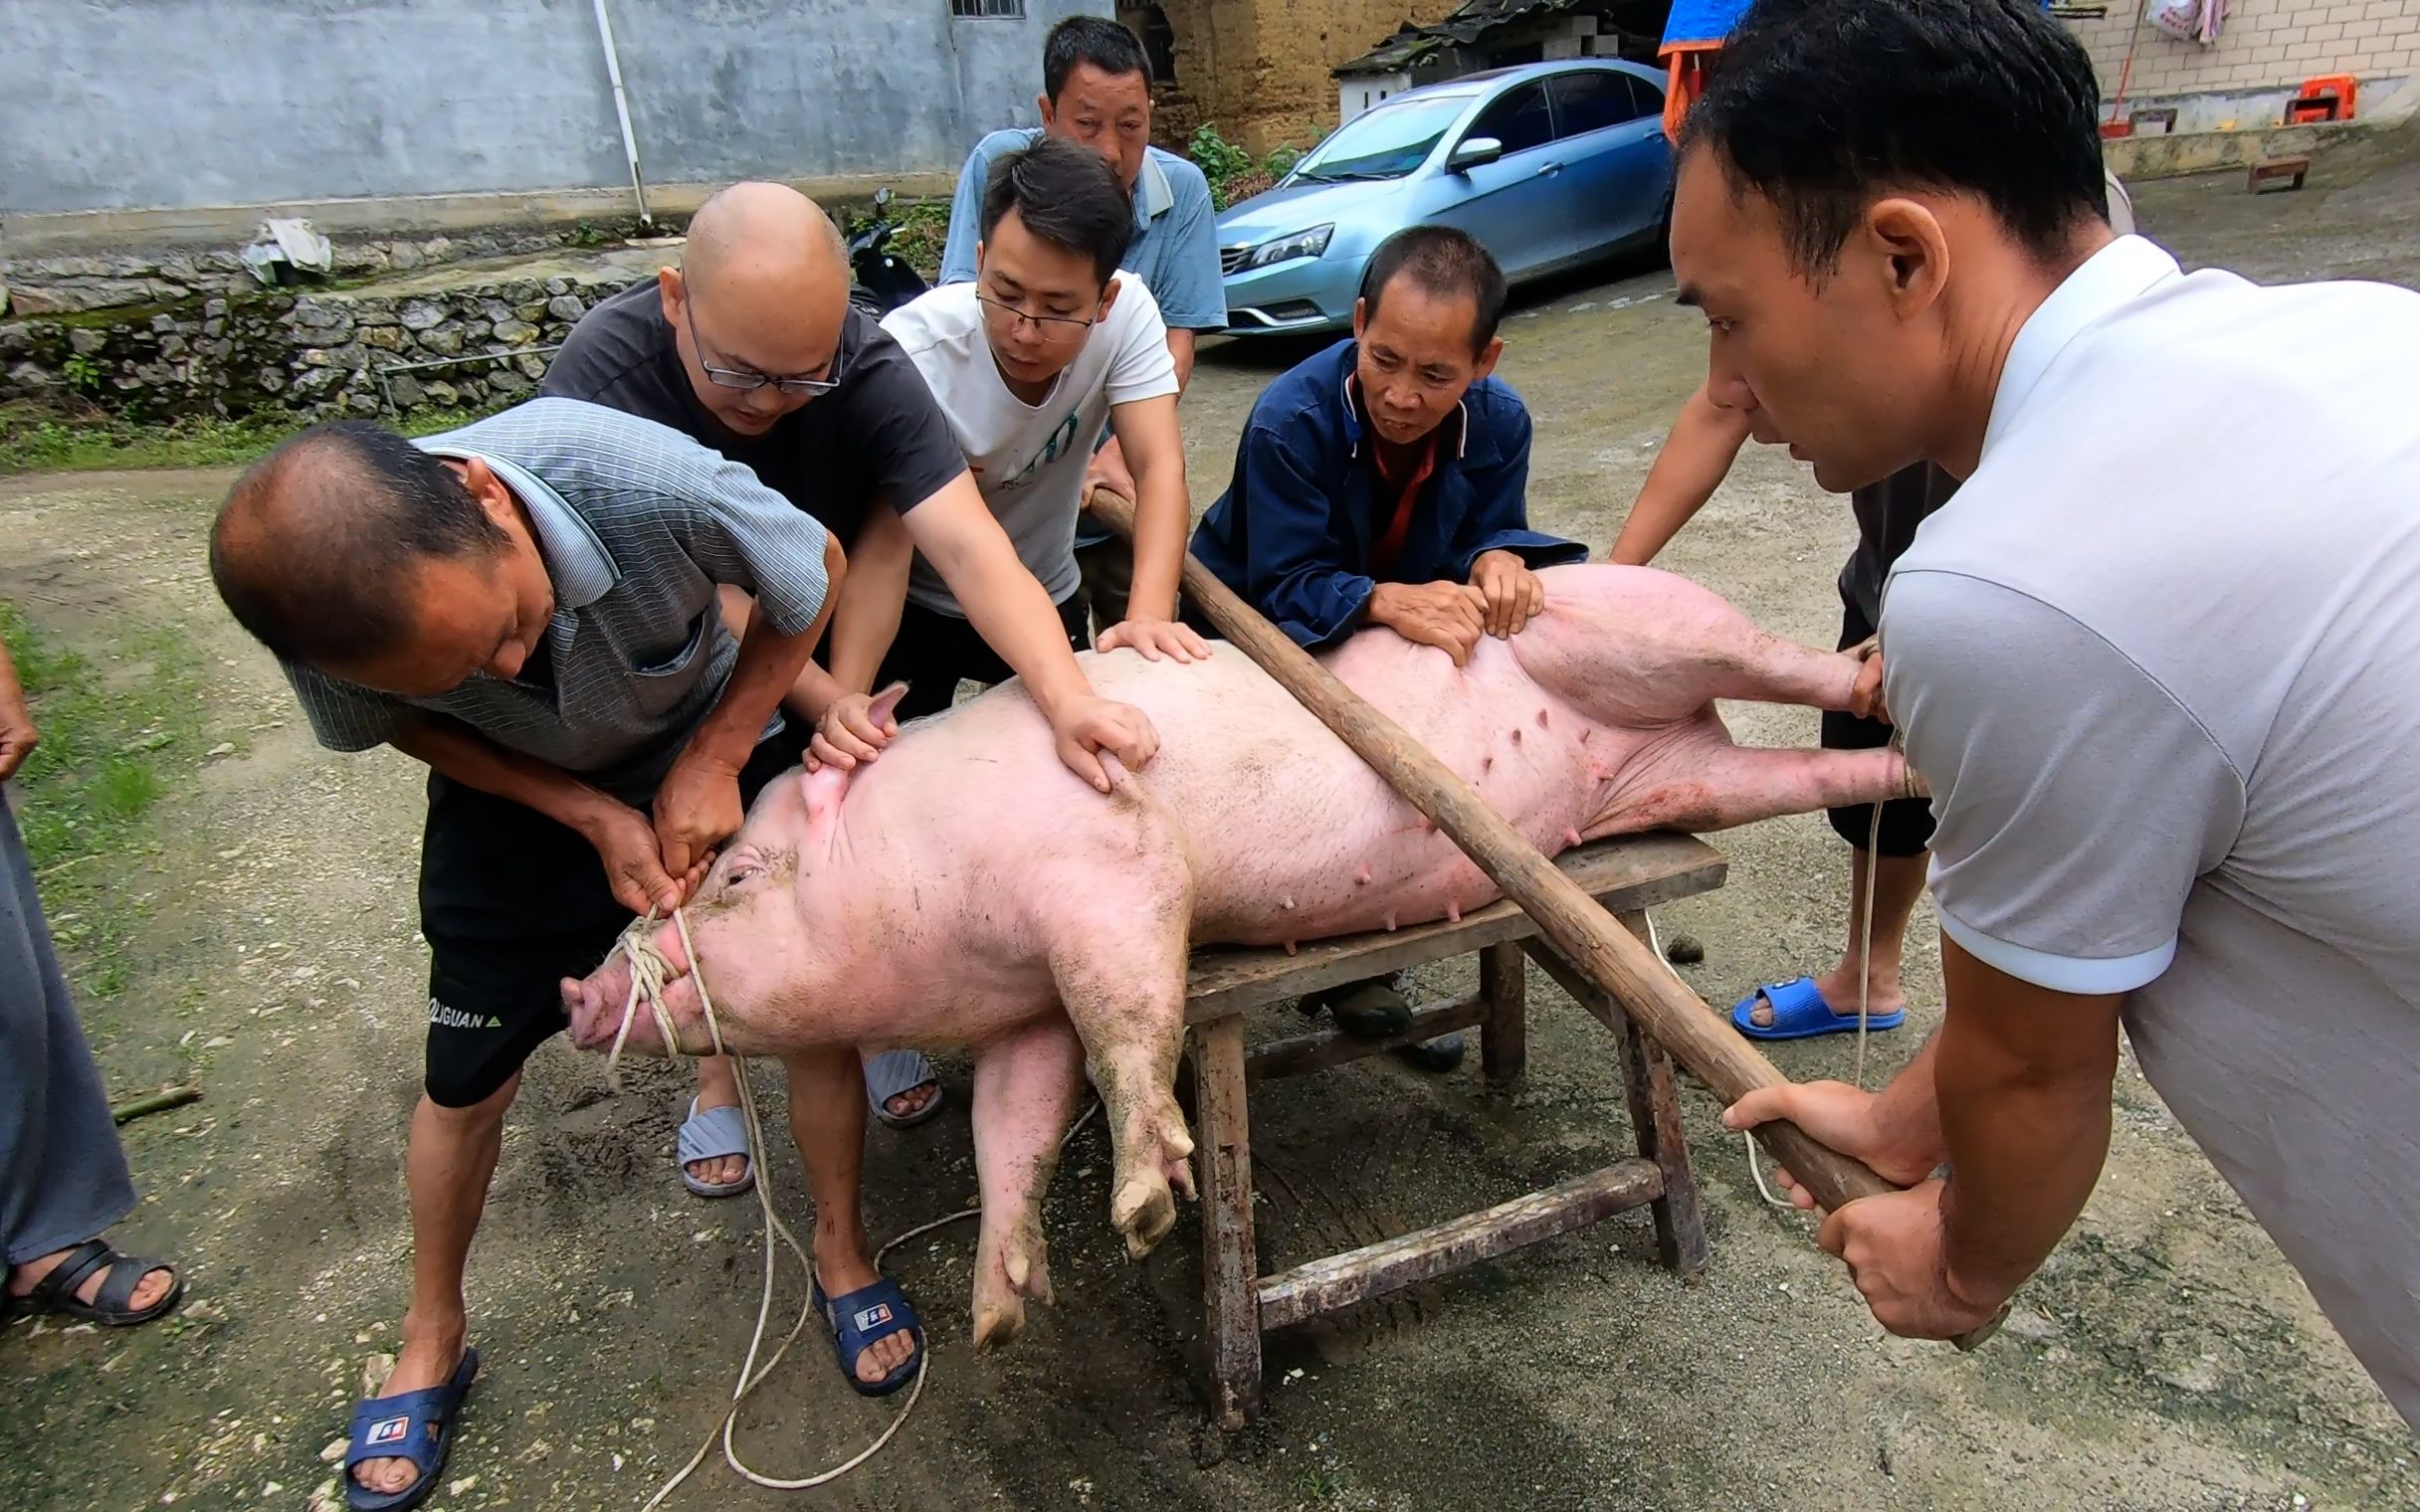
x,y
1571,837
1587,734
1390,921
1542,720
1361,877
1453,911
1517,734
1285,904
1486,763
1289,947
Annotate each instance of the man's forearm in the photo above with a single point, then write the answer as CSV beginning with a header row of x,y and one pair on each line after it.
x,y
871,602
446,745
1163,518
1008,608
2023,1079
1696,457
770,663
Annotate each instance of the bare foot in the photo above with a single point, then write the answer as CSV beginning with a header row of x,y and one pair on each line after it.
x,y
718,1087
148,1291
912,1101
843,1268
431,1353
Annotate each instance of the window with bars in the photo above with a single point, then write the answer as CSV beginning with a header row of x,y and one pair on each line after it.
x,y
988,10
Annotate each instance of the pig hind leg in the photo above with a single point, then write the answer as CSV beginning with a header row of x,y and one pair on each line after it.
x,y
1025,1091
1700,781
1633,646
1123,983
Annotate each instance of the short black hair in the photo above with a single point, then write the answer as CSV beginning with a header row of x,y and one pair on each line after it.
x,y
1822,106
316,549
1095,39
1444,262
1068,196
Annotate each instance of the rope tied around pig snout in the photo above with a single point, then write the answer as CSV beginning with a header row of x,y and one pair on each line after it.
x,y
650,970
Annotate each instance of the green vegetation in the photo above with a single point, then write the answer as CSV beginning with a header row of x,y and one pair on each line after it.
x,y
1233,172
41,440
112,738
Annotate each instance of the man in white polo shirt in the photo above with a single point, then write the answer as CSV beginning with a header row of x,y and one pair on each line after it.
x,y
2158,659
1029,361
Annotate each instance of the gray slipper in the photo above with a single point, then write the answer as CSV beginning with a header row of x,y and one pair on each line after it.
x,y
893,1072
709,1135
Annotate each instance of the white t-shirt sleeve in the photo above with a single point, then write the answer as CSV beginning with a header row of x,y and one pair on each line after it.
x,y
1141,366
2076,800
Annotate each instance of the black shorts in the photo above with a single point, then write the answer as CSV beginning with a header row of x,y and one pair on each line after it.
x,y
510,903
934,652
1906,822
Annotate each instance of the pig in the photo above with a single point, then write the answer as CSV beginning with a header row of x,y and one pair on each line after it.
x,y
966,889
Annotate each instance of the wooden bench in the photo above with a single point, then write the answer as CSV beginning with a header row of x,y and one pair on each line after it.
x,y
1627,876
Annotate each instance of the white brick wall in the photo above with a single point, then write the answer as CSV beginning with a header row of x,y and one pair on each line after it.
x,y
2267,44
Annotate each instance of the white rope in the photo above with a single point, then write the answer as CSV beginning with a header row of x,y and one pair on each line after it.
x,y
649,971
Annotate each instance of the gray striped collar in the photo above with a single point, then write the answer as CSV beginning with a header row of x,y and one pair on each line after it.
x,y
580,567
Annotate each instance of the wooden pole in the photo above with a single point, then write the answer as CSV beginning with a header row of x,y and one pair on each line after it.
x,y
1598,947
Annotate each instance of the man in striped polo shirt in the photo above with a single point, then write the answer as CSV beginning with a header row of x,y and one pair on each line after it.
x,y
529,606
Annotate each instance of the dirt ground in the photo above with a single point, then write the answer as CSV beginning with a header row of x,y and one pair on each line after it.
x,y
2167,1359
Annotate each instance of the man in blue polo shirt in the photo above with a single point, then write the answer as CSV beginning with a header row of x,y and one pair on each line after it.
x,y
1097,91
1384,482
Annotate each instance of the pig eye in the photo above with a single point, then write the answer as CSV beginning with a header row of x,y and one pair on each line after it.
x,y
742,869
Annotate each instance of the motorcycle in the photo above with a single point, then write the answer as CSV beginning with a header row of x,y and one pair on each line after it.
x,y
880,282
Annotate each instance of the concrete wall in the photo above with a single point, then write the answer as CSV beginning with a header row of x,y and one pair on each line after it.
x,y
115,104
2266,48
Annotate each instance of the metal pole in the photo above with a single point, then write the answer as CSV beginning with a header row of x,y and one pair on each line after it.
x,y
620,108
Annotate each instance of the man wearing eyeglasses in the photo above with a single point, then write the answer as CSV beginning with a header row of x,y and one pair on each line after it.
x,y
751,349
1030,362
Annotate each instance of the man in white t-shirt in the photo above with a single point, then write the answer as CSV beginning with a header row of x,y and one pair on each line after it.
x,y
1049,342
2156,660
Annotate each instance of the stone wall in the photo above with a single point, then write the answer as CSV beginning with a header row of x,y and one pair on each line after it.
x,y
314,355
57,284
1258,68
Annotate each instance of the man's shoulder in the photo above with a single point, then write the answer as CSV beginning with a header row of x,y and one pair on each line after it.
x,y
613,347
1005,140
1297,404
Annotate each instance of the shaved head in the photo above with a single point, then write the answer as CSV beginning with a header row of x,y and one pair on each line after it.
x,y
763,289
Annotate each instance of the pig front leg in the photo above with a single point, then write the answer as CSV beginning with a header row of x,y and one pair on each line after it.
x,y
1025,1091
1123,986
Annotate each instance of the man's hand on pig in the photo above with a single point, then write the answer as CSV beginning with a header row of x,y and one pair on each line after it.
x,y
848,733
1450,616
696,808
634,860
1087,727
1509,593
1155,639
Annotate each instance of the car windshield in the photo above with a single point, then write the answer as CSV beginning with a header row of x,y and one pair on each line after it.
x,y
1387,143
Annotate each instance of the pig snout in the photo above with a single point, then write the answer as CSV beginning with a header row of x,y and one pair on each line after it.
x,y
594,1003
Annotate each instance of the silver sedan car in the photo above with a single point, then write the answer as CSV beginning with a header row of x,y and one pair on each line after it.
x,y
1549,165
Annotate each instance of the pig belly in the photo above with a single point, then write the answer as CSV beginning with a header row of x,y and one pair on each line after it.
x,y
1295,837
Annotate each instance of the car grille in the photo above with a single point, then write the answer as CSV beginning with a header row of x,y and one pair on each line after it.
x,y
1232,258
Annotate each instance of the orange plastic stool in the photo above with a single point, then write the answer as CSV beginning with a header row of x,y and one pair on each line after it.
x,y
2329,97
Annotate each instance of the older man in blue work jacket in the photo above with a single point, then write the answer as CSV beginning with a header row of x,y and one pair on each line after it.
x,y
1384,482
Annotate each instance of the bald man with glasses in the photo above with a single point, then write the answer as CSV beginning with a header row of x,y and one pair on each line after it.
x,y
751,347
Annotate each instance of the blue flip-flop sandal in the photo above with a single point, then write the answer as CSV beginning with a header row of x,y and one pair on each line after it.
x,y
1801,1013
711,1135
865,1316
397,1427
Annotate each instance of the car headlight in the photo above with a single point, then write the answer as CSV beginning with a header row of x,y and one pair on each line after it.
x,y
1303,243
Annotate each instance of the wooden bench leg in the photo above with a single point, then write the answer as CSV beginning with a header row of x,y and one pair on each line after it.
x,y
1655,1113
1231,1272
1504,1039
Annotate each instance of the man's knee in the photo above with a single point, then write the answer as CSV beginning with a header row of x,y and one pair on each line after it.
x,y
467,1100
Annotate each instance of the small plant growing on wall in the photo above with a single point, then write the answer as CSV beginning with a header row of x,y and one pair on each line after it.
x,y
83,374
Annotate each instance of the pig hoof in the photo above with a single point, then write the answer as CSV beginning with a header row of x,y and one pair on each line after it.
x,y
998,1324
1143,1211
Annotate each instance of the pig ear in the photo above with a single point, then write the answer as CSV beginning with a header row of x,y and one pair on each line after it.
x,y
885,703
821,793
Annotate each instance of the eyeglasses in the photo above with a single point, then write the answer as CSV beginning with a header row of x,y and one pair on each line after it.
x,y
735,378
1019,312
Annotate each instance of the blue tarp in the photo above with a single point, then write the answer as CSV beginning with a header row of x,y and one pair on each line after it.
x,y
1700,21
